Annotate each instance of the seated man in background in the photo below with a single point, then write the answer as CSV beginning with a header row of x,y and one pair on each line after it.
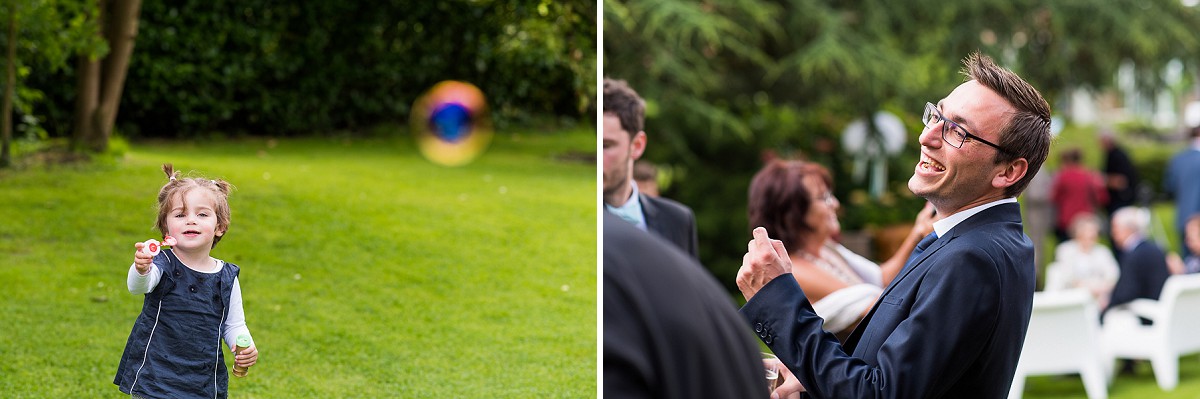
x,y
1144,270
1143,263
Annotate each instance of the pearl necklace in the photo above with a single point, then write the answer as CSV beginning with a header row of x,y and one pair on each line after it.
x,y
841,270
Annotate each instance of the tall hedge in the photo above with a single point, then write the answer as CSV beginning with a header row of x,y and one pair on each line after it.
x,y
297,67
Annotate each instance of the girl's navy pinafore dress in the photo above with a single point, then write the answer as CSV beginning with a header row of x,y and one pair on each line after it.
x,y
174,350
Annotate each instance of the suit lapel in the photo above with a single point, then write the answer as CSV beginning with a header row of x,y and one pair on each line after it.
x,y
852,341
650,212
998,213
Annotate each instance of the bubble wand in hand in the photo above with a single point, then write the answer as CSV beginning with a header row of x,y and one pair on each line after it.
x,y
152,247
243,342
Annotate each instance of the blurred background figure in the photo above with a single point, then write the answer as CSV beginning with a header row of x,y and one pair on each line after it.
x,y
1181,182
1191,241
1039,213
645,174
1120,175
1076,189
670,331
1144,269
1120,180
624,142
794,201
1082,262
1143,263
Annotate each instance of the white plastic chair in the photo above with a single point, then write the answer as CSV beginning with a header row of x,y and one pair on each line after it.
x,y
1064,338
1056,280
1175,332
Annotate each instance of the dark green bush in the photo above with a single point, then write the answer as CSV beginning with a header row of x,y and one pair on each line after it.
x,y
282,68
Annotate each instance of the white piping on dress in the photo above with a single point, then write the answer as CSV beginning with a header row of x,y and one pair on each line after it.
x,y
147,351
217,360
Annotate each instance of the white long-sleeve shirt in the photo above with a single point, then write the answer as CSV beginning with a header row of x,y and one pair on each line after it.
x,y
235,321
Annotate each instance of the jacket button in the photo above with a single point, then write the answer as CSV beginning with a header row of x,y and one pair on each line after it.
x,y
192,288
758,327
769,339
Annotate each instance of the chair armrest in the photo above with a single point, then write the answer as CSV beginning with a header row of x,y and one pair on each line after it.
x,y
1146,308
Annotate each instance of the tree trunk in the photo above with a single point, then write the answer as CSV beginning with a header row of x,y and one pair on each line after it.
x,y
87,92
86,99
121,32
10,82
102,82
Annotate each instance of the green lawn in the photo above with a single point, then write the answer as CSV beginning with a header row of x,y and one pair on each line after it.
x,y
1138,386
366,270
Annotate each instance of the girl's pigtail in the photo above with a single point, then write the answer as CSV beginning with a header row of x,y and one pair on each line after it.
x,y
223,187
170,171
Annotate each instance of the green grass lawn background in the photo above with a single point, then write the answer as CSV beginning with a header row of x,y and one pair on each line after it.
x,y
367,271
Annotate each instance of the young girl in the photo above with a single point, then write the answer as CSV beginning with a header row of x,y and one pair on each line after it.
x,y
192,300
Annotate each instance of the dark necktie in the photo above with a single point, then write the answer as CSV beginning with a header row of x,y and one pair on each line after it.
x,y
921,247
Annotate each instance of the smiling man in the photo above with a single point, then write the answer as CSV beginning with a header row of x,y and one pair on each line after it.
x,y
952,323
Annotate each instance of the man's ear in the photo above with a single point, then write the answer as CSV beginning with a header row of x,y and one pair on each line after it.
x,y
637,146
1011,174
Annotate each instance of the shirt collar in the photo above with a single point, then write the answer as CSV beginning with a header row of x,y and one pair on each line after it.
x,y
1133,241
631,209
941,227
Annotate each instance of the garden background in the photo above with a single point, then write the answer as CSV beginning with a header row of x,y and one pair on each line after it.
x,y
367,270
731,84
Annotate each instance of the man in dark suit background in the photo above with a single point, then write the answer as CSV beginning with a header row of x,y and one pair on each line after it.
x,y
624,142
1120,175
1121,180
670,330
953,322
1144,270
1181,184
1143,263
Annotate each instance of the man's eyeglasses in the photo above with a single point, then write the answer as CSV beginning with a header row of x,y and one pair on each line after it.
x,y
960,135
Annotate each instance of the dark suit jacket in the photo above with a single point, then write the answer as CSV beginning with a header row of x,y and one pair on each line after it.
x,y
672,221
1181,183
1143,274
951,325
1117,162
670,331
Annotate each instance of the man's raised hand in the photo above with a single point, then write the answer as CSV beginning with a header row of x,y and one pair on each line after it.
x,y
765,259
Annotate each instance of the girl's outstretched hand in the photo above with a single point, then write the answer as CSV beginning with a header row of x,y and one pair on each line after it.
x,y
141,259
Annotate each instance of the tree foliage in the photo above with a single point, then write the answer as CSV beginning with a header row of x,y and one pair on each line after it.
x,y
731,83
281,68
46,35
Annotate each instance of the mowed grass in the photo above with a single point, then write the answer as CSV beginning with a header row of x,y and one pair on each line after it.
x,y
367,271
1138,386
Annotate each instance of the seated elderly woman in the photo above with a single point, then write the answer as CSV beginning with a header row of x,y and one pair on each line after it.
x,y
1082,262
794,201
